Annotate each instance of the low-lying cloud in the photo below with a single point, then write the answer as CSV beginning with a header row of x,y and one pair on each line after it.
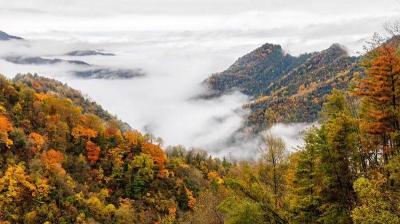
x,y
162,102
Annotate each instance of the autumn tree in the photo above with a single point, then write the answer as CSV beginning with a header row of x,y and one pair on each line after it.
x,y
5,128
125,213
273,157
36,142
52,161
374,206
18,190
134,139
380,90
245,211
80,132
93,152
156,153
206,208
58,133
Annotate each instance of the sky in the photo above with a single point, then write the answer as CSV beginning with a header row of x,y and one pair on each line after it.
x,y
178,44
313,24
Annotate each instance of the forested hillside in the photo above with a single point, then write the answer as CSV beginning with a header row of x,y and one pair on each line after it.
x,y
286,88
254,72
64,163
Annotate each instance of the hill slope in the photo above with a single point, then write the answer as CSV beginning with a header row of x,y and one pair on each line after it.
x,y
63,159
285,88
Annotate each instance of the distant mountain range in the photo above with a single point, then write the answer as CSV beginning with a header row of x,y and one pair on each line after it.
x,y
285,88
85,70
88,53
88,72
109,73
21,60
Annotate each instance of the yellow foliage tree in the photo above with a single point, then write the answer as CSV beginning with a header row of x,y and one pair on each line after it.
x,y
16,188
215,178
82,132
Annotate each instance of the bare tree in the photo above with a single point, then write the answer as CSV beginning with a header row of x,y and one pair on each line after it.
x,y
393,28
273,155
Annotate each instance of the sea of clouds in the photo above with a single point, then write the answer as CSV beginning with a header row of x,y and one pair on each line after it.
x,y
164,101
177,45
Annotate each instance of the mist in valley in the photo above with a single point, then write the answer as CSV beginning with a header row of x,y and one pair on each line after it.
x,y
176,52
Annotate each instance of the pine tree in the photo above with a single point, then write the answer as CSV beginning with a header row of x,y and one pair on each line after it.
x,y
338,160
305,198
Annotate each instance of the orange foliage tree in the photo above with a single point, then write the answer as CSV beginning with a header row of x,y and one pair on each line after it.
x,y
133,138
52,161
191,199
5,127
36,141
380,90
156,153
93,152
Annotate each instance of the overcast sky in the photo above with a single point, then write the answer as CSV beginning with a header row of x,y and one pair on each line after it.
x,y
314,24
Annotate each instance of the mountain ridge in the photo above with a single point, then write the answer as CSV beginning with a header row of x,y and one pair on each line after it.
x,y
282,87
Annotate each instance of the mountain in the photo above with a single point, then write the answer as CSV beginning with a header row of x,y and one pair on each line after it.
x,y
91,71
285,88
252,73
4,37
88,53
21,60
109,73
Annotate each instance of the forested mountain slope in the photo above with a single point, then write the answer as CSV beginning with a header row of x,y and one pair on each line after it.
x,y
45,85
63,159
286,88
252,73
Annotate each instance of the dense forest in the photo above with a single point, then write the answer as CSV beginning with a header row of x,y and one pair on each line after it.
x,y
66,160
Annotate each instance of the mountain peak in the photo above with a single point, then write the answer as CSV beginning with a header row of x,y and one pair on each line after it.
x,y
6,36
270,46
251,72
337,49
262,53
